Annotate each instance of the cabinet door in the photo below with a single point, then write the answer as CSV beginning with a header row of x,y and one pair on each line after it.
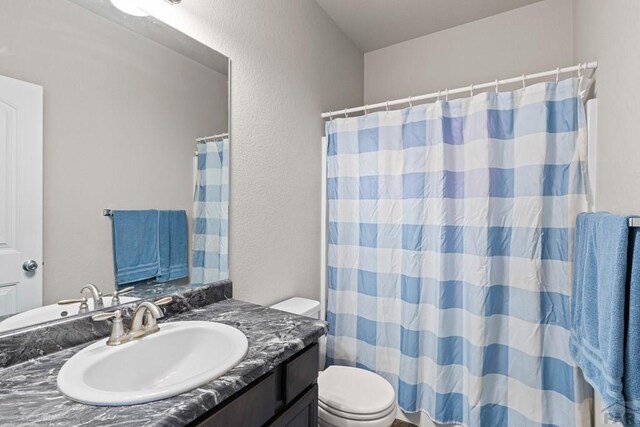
x,y
302,413
300,372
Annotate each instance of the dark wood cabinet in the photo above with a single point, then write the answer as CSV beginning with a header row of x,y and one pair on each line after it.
x,y
287,396
303,412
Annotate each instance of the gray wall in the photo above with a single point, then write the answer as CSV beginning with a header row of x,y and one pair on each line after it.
x,y
290,62
609,32
532,38
121,116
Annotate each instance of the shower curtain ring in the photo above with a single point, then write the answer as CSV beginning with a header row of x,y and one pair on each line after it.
x,y
346,116
366,108
330,115
410,103
524,78
438,97
497,83
387,105
446,95
471,90
557,75
580,75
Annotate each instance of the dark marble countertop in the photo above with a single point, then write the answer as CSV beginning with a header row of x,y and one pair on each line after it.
x,y
28,393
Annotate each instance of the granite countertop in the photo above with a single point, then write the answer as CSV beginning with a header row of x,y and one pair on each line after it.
x,y
28,393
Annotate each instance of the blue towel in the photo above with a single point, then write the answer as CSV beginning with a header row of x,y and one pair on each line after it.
x,y
135,245
173,246
597,305
631,377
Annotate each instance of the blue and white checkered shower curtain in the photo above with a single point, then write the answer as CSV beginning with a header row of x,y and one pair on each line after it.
x,y
449,254
211,214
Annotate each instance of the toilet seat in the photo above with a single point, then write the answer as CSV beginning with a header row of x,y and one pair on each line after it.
x,y
356,416
327,419
354,397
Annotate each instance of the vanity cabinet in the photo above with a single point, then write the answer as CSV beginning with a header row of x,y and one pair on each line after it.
x,y
287,396
301,413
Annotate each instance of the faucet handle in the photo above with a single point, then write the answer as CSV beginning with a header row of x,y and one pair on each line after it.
x,y
84,307
163,301
115,296
72,301
106,316
118,333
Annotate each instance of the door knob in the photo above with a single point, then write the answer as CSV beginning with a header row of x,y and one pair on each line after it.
x,y
30,265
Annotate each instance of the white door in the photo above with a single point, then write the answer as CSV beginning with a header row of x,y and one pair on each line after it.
x,y
20,195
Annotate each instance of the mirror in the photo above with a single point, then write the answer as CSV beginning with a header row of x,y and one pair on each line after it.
x,y
114,159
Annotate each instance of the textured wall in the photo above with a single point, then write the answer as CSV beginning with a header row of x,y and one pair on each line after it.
x,y
290,62
119,127
532,38
609,33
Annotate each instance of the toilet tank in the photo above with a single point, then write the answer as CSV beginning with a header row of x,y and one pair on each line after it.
x,y
301,306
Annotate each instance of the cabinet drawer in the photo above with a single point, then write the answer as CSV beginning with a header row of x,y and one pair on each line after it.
x,y
301,372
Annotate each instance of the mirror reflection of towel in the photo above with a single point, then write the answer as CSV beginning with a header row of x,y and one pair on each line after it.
x,y
135,245
173,246
149,244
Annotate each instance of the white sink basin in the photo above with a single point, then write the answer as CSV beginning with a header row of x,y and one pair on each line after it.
x,y
48,313
178,358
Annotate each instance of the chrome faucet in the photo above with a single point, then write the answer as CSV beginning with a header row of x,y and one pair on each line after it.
x,y
84,307
95,294
144,321
145,318
97,298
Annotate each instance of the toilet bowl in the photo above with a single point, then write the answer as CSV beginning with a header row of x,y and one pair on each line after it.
x,y
354,397
347,397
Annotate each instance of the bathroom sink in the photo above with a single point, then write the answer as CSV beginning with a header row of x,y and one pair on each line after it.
x,y
48,313
178,358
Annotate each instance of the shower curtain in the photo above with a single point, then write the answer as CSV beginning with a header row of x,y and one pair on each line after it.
x,y
449,254
211,214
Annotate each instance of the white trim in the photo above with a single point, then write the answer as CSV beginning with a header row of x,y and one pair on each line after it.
x,y
592,149
323,248
323,234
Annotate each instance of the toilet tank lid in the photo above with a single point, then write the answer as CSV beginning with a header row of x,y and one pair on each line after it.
x,y
297,305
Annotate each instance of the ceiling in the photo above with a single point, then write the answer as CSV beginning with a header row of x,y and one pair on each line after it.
x,y
374,24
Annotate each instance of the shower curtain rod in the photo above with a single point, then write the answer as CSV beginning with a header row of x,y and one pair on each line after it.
x,y
212,137
496,83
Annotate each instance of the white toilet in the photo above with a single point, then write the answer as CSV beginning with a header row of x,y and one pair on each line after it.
x,y
347,397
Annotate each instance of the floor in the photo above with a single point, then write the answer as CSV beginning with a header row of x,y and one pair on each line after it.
x,y
398,423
